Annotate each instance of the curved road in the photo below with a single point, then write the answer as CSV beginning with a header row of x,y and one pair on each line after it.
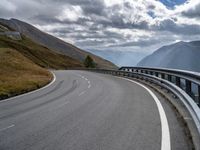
x,y
89,111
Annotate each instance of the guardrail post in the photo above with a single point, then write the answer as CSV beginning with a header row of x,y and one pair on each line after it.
x,y
178,81
198,95
188,87
169,78
162,75
156,74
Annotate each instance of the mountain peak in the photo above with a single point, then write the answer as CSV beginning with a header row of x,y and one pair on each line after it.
x,y
181,55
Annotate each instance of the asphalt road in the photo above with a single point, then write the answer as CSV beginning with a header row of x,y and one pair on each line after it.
x,y
89,111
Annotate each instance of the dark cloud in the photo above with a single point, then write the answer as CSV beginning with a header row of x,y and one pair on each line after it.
x,y
193,12
94,7
171,26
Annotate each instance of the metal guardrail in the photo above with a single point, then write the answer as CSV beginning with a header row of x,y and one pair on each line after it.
x,y
184,84
186,80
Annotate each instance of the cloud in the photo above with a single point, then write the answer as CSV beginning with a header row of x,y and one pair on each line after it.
x,y
193,12
139,25
175,28
71,13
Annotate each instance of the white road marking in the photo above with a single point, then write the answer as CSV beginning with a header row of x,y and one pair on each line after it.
x,y
79,75
54,79
89,85
187,118
165,141
8,127
82,93
63,104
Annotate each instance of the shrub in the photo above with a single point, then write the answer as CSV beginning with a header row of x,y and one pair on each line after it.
x,y
89,62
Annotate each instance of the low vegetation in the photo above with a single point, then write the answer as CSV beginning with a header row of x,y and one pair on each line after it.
x,y
18,74
89,62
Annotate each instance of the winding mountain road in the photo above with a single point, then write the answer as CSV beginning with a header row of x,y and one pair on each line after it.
x,y
89,111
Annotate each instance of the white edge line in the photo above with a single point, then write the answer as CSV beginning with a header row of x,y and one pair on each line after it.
x,y
165,142
7,127
54,79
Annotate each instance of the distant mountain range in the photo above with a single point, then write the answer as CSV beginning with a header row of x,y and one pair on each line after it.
x,y
120,58
51,42
181,55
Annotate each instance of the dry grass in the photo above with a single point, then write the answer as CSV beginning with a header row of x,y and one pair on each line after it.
x,y
39,54
18,74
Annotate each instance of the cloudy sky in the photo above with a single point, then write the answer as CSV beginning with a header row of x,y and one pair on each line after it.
x,y
139,26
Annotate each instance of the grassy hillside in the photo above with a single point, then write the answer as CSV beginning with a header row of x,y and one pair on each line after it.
x,y
54,43
18,74
22,64
39,54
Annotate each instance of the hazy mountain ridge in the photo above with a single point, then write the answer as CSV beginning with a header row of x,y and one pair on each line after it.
x,y
54,43
120,58
181,55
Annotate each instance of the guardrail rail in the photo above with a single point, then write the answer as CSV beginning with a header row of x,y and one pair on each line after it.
x,y
186,80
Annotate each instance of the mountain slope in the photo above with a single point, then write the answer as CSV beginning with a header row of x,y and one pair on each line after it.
x,y
40,55
54,43
21,62
18,74
120,58
181,55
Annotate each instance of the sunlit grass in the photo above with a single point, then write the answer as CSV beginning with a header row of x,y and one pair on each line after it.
x,y
18,74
